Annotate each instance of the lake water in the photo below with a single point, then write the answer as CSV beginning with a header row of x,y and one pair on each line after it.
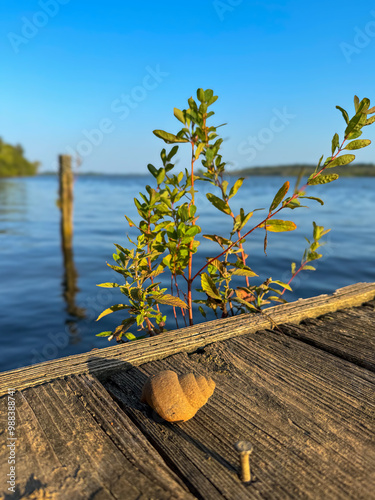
x,y
36,322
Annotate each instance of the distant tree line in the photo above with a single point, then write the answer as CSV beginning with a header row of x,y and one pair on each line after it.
x,y
354,170
13,163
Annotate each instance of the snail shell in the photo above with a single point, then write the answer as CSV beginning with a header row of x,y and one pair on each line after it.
x,y
177,398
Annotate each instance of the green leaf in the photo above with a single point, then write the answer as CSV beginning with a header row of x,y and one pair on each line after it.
x,y
109,285
322,179
355,123
130,336
235,187
371,120
199,150
279,226
110,310
328,160
313,256
217,264
200,95
292,203
157,271
244,272
201,310
103,334
118,269
172,152
309,268
136,294
245,220
190,234
218,239
241,220
170,300
319,231
344,114
130,222
356,103
208,94
283,285
192,104
209,287
212,100
361,143
279,196
313,198
124,327
218,203
341,160
293,267
168,138
335,143
152,170
363,105
354,134
193,231
278,299
320,161
161,176
179,115
245,303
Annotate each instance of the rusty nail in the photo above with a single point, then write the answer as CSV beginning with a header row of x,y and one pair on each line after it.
x,y
244,448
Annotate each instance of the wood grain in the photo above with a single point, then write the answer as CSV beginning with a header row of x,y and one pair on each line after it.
x,y
73,442
309,414
104,361
349,334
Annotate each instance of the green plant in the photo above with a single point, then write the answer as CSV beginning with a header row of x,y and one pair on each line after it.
x,y
168,229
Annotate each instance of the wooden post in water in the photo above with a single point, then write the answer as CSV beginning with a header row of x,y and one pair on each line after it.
x,y
66,199
66,180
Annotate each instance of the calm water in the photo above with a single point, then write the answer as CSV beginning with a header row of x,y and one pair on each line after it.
x,y
36,322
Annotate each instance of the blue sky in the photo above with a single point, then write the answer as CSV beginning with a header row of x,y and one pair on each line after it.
x,y
100,76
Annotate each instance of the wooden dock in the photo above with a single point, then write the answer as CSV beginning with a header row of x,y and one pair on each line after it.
x,y
302,393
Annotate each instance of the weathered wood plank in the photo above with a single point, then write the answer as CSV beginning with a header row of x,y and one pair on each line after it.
x,y
349,334
73,442
309,415
188,339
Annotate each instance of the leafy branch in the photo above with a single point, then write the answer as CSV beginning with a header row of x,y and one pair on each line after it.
x,y
168,228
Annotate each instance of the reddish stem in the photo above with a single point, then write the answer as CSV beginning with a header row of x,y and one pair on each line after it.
x,y
174,308
150,327
148,258
270,215
190,265
293,276
226,199
178,295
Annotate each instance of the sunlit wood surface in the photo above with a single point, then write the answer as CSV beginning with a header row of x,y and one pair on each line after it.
x,y
302,393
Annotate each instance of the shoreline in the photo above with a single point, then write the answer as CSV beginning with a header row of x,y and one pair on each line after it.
x,y
356,170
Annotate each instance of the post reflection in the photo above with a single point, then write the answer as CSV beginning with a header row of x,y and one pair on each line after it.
x,y
70,288
66,226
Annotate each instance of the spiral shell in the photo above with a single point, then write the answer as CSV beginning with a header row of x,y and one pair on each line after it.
x,y
177,398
